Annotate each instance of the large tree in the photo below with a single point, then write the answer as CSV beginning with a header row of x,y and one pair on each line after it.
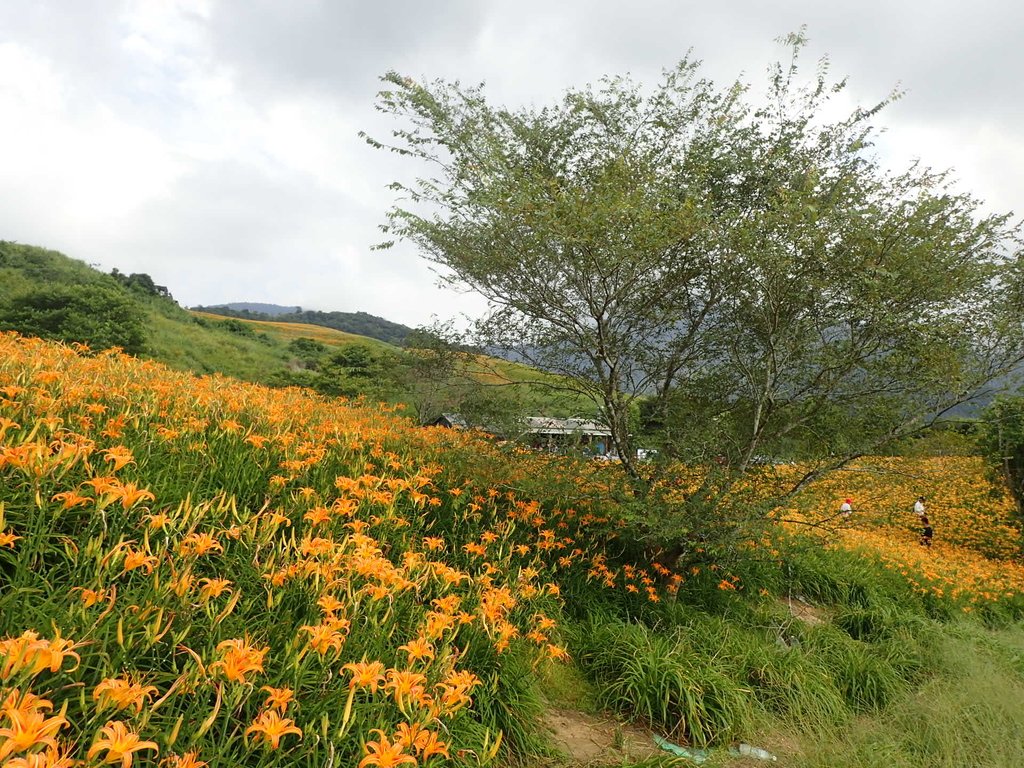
x,y
745,260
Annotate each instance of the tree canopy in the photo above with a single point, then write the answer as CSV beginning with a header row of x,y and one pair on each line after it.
x,y
743,263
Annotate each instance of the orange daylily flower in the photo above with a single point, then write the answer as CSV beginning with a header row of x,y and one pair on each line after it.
x,y
51,758
122,693
135,559
213,588
187,760
91,597
129,494
28,727
404,684
385,754
119,456
366,674
278,698
329,604
199,544
71,499
272,727
411,735
431,746
120,744
36,654
239,660
325,637
158,521
418,648
318,516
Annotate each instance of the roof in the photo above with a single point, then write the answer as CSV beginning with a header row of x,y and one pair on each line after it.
x,y
453,420
548,425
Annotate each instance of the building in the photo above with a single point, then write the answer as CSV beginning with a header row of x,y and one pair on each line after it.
x,y
550,433
547,433
449,420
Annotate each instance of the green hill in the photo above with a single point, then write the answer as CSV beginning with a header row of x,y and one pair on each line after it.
x,y
47,294
358,323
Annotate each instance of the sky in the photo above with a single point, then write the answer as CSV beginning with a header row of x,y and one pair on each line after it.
x,y
213,144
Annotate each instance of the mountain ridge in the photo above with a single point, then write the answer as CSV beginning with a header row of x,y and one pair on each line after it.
x,y
359,322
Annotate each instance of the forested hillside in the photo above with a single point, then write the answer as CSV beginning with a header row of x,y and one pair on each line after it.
x,y
361,323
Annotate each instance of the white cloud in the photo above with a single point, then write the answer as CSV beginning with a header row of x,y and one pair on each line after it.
x,y
212,143
71,168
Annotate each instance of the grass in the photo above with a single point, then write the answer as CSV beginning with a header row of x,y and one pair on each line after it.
x,y
967,714
186,346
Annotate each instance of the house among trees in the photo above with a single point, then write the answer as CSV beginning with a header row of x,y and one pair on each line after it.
x,y
548,433
553,434
450,421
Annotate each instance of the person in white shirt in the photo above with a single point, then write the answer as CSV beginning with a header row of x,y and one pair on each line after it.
x,y
846,508
919,507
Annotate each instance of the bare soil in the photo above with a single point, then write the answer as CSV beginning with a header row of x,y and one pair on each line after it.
x,y
594,740
807,613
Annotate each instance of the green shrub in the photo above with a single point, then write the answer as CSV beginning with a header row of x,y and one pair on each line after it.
x,y
865,677
98,315
508,701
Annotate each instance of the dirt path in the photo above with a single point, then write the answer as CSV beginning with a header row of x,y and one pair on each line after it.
x,y
595,740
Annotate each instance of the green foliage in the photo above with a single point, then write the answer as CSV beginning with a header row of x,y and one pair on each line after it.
x,y
97,315
509,701
25,267
952,439
660,680
141,283
1002,440
194,344
358,369
308,351
752,269
966,714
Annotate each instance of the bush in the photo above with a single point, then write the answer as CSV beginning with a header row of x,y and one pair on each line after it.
x,y
97,315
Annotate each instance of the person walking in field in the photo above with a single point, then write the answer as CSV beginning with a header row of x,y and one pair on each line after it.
x,y
846,508
919,507
926,531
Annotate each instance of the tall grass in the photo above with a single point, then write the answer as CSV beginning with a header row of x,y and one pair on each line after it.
x,y
659,680
967,715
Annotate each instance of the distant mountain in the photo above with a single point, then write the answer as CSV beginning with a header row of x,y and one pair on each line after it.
x,y
361,323
256,307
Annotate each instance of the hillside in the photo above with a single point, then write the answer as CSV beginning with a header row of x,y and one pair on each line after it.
x,y
44,293
38,282
287,332
358,323
220,573
256,307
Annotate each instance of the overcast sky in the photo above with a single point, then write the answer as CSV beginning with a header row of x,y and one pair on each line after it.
x,y
213,143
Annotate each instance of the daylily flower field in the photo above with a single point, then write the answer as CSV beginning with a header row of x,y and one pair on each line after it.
x,y
196,571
